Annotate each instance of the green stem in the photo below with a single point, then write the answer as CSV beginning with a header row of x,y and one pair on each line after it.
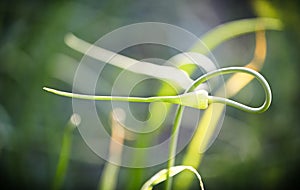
x,y
63,156
170,99
233,29
173,145
200,96
223,71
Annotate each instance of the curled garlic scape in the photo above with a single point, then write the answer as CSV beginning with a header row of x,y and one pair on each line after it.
x,y
198,99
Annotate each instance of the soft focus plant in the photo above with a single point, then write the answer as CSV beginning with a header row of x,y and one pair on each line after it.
x,y
199,99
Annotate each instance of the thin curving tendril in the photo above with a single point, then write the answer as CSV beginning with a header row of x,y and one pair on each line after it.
x,y
197,99
229,102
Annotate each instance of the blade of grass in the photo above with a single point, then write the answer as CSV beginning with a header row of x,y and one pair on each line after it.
x,y
173,75
64,155
234,29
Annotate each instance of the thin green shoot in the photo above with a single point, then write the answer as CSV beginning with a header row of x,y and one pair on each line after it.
x,y
198,99
64,155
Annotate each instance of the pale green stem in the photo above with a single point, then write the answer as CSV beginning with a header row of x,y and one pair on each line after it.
x,y
223,71
170,99
233,29
181,99
173,145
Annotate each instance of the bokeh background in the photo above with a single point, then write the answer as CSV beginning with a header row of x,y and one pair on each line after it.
x,y
252,151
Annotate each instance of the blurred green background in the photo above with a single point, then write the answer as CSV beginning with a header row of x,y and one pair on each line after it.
x,y
252,151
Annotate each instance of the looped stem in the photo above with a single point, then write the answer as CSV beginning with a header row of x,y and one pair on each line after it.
x,y
228,70
198,99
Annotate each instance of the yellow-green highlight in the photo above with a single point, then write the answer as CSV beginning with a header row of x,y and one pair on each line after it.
x,y
64,155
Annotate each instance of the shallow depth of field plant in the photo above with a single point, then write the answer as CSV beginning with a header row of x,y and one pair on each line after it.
x,y
212,106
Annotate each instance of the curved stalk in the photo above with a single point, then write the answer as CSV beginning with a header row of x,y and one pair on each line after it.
x,y
234,29
198,99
